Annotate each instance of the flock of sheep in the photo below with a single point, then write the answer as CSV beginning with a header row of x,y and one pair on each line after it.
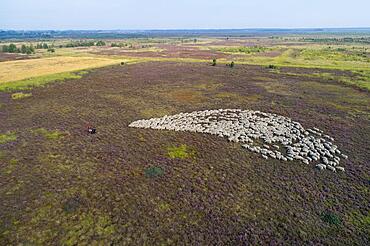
x,y
270,135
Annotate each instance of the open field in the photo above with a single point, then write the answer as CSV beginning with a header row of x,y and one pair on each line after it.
x,y
284,52
60,185
19,70
73,187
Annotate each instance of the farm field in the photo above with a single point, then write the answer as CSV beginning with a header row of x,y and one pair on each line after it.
x,y
60,185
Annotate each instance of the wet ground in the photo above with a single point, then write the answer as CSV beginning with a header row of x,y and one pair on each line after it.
x,y
62,185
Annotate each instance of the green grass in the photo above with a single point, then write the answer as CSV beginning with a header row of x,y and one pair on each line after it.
x,y
336,54
28,84
51,135
247,50
331,218
360,220
8,137
152,172
20,95
360,80
180,152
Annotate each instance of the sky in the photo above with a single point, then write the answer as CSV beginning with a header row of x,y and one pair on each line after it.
x,y
181,14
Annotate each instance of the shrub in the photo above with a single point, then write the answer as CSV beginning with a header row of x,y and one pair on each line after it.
x,y
330,218
271,66
232,64
52,50
20,95
214,62
152,172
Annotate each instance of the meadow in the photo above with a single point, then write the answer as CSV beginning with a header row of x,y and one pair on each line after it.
x,y
352,57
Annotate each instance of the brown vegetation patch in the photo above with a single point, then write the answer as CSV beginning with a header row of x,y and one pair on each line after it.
x,y
92,188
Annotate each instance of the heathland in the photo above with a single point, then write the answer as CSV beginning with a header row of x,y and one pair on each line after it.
x,y
61,185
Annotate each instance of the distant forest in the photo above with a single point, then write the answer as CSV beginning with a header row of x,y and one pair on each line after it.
x,y
53,34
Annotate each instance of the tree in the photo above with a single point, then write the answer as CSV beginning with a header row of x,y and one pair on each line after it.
x,y
12,48
24,49
5,48
32,49
100,43
45,46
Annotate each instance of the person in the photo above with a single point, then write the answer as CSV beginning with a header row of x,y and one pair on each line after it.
x,y
91,130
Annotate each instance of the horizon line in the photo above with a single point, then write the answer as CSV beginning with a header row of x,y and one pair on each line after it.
x,y
190,29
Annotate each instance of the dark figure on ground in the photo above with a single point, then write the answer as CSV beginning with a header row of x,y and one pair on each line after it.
x,y
214,62
91,130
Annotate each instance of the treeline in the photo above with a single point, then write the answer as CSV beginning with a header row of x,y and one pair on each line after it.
x,y
24,49
120,45
363,40
44,46
129,45
83,44
248,50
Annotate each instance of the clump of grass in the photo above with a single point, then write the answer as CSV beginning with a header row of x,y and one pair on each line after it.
x,y
180,152
360,220
8,137
153,172
20,95
271,66
331,218
51,135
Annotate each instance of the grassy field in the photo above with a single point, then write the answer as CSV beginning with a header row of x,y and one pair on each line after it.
x,y
265,52
24,69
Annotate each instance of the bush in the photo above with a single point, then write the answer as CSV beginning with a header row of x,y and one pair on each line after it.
x,y
232,64
122,63
52,50
214,62
152,172
330,218
271,66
